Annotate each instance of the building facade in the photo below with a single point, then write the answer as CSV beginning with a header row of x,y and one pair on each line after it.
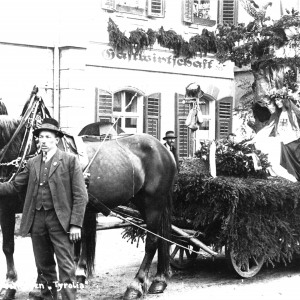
x,y
63,48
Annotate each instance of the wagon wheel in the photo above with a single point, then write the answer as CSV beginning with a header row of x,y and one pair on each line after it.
x,y
246,269
181,258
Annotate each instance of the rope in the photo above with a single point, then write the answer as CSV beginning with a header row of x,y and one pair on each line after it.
x,y
117,215
92,159
148,231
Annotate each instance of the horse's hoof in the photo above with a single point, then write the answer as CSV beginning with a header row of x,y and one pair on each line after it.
x,y
132,294
35,295
9,294
80,279
157,287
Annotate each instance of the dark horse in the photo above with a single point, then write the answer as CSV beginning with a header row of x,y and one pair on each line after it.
x,y
136,168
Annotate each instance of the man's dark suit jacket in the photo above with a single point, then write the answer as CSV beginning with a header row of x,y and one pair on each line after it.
x,y
174,151
66,184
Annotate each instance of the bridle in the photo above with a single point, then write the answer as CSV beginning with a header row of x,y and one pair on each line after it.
x,y
36,111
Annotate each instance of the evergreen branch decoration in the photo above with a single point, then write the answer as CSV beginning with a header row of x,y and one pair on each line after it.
x,y
139,40
252,216
117,39
242,44
234,159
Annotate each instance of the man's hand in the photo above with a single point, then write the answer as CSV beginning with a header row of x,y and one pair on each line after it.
x,y
86,177
75,234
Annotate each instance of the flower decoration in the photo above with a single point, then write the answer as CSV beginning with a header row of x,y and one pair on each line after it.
x,y
282,93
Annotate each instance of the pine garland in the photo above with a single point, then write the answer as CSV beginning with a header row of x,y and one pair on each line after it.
x,y
241,44
234,159
252,216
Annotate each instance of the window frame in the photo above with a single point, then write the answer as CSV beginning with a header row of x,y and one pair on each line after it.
x,y
148,113
146,11
123,114
188,15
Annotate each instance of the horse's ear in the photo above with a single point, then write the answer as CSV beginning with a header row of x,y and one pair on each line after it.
x,y
35,90
3,110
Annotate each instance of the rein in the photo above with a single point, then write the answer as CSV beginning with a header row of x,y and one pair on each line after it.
x,y
92,159
108,211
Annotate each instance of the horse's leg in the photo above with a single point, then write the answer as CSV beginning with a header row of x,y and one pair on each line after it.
x,y
154,221
139,285
159,282
7,219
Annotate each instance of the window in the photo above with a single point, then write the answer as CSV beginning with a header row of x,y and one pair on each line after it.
x,y
201,9
228,11
223,117
151,8
132,114
197,12
127,109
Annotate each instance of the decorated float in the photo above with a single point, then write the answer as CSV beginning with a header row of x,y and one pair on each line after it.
x,y
225,196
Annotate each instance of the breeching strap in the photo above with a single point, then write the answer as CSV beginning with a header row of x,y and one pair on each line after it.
x,y
92,159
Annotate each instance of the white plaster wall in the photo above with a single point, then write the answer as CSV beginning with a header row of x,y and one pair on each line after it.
x,y
98,18
44,23
21,68
148,82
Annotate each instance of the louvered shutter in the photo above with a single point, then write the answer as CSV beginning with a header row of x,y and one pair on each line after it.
x,y
108,4
228,11
104,106
181,130
152,115
224,118
188,11
156,8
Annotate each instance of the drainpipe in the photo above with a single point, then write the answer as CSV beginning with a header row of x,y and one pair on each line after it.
x,y
56,85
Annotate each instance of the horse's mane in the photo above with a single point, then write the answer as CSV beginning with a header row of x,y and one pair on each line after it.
x,y
8,126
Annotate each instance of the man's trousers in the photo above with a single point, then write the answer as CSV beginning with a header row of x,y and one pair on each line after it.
x,y
49,238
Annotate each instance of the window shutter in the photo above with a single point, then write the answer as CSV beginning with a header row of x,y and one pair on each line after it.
x,y
108,4
188,11
228,11
156,8
152,115
224,117
104,106
181,130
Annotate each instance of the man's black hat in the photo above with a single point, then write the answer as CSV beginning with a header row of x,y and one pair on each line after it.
x,y
49,124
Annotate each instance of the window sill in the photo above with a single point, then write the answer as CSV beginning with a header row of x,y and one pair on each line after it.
x,y
130,10
204,22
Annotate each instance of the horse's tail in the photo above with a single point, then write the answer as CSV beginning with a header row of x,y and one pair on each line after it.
x,y
90,232
165,232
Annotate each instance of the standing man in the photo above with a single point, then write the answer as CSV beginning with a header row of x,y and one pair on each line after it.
x,y
53,211
170,142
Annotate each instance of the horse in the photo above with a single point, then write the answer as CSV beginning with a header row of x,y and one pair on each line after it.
x,y
135,168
